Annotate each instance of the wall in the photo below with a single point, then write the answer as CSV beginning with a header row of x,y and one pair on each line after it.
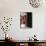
x,y
12,8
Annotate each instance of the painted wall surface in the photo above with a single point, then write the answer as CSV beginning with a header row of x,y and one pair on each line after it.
x,y
12,8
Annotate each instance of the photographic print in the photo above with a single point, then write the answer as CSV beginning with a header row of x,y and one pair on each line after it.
x,y
26,20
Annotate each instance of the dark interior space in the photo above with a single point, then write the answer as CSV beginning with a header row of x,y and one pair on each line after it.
x,y
29,20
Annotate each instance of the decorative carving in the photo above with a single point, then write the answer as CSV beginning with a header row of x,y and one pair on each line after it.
x,y
35,3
